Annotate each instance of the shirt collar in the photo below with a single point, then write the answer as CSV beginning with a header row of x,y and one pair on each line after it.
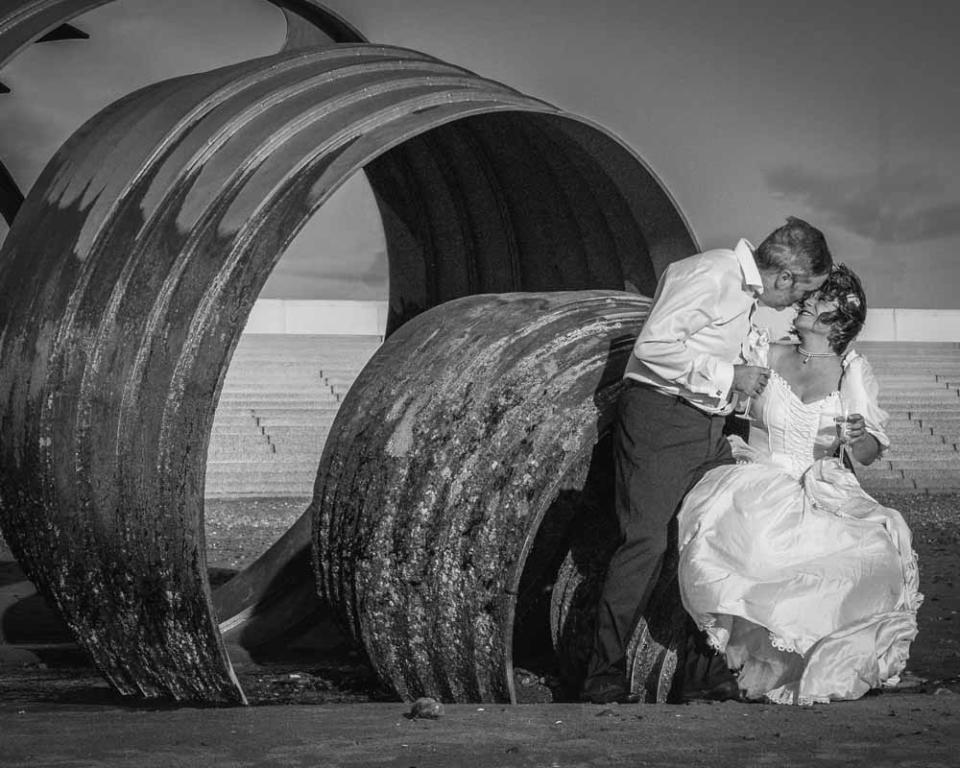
x,y
748,266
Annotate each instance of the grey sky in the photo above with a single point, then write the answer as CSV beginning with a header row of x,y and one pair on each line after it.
x,y
840,111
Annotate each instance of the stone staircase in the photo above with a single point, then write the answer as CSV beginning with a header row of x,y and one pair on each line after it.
x,y
920,389
282,392
279,398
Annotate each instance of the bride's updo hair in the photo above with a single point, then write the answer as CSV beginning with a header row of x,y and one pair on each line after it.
x,y
846,321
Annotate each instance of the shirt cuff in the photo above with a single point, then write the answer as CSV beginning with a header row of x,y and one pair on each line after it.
x,y
710,377
723,377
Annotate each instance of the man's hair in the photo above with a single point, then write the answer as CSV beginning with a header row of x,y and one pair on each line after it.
x,y
796,246
843,286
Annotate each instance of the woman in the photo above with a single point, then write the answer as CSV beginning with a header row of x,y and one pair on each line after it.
x,y
805,582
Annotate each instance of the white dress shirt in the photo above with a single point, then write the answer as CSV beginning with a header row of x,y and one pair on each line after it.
x,y
700,318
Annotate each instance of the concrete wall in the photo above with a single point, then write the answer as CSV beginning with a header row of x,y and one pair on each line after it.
x,y
912,325
322,316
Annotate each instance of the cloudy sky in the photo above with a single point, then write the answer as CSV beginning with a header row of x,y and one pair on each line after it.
x,y
844,112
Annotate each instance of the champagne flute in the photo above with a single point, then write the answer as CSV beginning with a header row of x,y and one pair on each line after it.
x,y
742,409
841,424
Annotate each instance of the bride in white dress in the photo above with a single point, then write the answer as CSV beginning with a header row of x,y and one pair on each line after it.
x,y
805,582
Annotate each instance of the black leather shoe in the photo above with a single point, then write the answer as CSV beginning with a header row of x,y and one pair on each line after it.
x,y
612,694
728,690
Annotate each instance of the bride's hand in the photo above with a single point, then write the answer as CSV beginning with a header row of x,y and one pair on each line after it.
x,y
856,428
864,446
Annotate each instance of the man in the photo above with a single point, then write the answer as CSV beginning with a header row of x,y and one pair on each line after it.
x,y
678,388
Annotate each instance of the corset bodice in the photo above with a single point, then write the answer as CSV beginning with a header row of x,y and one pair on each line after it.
x,y
794,433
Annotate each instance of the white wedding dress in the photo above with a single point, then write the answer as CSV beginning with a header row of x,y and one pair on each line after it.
x,y
807,583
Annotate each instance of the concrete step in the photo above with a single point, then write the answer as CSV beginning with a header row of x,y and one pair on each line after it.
x,y
304,352
879,470
906,393
940,421
273,489
937,482
303,427
286,411
914,382
931,462
319,391
916,418
235,421
275,461
222,471
276,380
909,400
901,420
935,419
340,369
896,485
929,384
342,381
908,433
933,389
283,391
293,429
949,372
908,347
906,448
231,432
280,350
277,383
302,451
879,361
902,408
245,451
913,450
304,423
263,405
302,442
904,355
243,368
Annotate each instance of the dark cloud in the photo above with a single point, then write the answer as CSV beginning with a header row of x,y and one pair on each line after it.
x,y
902,205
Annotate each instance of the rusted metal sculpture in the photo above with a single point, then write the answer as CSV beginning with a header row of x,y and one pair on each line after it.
x,y
129,273
11,198
455,480
23,22
658,641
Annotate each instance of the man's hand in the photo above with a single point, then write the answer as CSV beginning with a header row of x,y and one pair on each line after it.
x,y
750,380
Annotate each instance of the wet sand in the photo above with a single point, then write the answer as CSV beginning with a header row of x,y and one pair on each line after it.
x,y
317,704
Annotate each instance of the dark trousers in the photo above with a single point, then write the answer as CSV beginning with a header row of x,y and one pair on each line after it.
x,y
662,446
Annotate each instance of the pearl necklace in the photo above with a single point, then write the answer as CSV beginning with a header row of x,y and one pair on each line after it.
x,y
807,355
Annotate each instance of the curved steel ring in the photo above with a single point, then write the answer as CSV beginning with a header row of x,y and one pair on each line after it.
x,y
129,273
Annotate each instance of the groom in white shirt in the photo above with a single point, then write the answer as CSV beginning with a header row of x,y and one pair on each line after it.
x,y
677,390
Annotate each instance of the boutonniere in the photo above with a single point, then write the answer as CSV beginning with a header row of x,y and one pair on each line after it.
x,y
756,348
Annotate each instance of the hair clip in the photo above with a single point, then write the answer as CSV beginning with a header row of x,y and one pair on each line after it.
x,y
852,298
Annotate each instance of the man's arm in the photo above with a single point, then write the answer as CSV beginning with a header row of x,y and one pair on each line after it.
x,y
685,304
